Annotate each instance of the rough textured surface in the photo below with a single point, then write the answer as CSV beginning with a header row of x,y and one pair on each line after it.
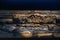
x,y
45,21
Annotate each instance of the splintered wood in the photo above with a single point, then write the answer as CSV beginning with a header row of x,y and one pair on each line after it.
x,y
41,20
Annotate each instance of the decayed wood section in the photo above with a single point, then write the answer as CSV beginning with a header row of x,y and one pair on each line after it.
x,y
32,18
38,25
36,18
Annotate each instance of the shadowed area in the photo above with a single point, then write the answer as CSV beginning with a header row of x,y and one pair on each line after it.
x,y
30,4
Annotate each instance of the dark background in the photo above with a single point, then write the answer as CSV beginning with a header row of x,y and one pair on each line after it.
x,y
30,4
